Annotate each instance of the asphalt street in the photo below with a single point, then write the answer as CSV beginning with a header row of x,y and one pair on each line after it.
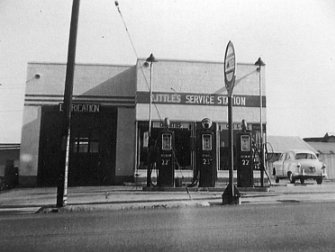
x,y
271,227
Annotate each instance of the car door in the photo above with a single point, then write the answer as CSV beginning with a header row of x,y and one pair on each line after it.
x,y
287,163
278,165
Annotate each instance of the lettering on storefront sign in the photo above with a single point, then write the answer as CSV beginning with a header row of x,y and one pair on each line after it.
x,y
166,98
200,99
214,100
82,108
236,126
172,125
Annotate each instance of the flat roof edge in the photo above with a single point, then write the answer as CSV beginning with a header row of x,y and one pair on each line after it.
x,y
78,64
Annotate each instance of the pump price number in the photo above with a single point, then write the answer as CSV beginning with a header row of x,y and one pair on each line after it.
x,y
165,159
245,160
165,162
206,159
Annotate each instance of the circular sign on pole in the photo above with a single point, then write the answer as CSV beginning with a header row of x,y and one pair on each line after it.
x,y
229,67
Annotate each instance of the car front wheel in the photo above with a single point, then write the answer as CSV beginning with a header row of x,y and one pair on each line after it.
x,y
319,181
290,178
302,181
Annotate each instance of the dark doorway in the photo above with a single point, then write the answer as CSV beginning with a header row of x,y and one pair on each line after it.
x,y
92,151
183,148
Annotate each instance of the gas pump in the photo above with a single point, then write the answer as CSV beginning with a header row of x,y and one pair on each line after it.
x,y
165,160
206,153
245,177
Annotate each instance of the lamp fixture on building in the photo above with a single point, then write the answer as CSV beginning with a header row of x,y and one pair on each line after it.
x,y
149,62
151,59
259,63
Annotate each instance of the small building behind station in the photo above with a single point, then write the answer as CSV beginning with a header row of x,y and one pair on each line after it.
x,y
326,151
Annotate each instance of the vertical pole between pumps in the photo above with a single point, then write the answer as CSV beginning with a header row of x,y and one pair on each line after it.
x,y
231,144
261,125
66,133
150,98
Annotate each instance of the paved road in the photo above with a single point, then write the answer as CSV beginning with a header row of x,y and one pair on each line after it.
x,y
284,227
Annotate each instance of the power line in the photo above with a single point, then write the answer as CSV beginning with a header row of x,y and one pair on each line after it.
x,y
135,52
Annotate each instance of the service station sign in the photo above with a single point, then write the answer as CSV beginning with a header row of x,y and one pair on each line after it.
x,y
229,68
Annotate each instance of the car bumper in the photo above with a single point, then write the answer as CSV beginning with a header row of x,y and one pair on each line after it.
x,y
309,176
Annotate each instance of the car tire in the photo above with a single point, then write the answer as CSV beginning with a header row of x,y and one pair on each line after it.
x,y
277,180
319,181
274,171
290,177
302,181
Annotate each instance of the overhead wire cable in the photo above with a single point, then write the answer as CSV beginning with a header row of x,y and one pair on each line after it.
x,y
135,52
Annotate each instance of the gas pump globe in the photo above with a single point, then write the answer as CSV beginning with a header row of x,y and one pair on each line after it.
x,y
206,123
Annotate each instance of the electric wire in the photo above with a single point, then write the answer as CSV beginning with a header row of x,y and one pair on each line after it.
x,y
136,54
146,81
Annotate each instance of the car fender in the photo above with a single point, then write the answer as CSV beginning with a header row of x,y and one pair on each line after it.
x,y
290,168
278,167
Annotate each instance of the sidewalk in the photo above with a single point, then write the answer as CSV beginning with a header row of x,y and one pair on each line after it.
x,y
134,197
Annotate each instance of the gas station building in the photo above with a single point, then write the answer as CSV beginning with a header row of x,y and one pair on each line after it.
x,y
111,112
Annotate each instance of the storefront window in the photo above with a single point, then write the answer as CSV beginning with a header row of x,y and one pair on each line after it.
x,y
94,147
86,143
182,144
82,144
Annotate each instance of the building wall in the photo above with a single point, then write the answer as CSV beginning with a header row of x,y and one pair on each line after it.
x,y
89,80
30,145
198,112
186,92
121,87
204,78
197,77
107,85
125,146
329,160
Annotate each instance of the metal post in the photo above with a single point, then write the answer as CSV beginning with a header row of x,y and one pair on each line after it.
x,y
231,144
231,195
63,179
150,99
149,131
150,60
261,125
260,63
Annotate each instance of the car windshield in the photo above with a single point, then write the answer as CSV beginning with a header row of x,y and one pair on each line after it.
x,y
305,156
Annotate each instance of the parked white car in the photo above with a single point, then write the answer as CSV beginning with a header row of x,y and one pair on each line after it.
x,y
299,164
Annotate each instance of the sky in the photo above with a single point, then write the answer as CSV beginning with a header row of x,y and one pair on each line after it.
x,y
295,39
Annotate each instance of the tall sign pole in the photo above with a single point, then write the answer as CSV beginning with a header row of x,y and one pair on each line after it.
x,y
231,194
63,178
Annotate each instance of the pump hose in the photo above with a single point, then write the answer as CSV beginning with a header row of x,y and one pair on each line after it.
x,y
261,160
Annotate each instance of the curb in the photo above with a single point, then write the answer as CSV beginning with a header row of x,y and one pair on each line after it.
x,y
19,210
125,206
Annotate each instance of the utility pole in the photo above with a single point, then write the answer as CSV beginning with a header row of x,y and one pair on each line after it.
x,y
66,131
